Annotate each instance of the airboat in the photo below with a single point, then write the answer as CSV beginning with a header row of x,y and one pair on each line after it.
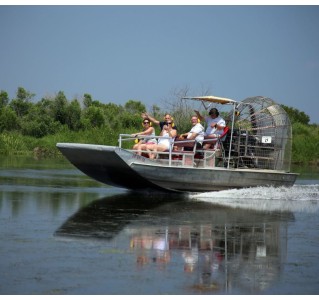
x,y
255,150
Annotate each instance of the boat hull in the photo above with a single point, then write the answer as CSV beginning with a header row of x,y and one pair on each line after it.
x,y
121,168
216,179
106,164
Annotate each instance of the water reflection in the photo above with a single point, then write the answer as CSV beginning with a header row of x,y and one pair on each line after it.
x,y
216,249
43,188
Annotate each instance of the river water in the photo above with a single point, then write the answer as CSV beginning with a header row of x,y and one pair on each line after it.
x,y
65,234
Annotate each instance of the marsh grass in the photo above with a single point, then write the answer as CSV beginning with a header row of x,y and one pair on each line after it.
x,y
12,143
305,147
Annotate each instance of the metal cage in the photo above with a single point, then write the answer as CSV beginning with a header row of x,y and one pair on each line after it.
x,y
262,136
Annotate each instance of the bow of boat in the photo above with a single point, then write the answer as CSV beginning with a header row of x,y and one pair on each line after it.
x,y
107,164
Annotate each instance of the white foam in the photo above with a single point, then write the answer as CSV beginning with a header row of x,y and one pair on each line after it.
x,y
296,198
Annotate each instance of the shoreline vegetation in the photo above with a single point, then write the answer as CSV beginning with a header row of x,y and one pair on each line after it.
x,y
33,128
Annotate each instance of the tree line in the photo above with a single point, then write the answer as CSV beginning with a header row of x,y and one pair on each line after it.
x,y
26,124
53,114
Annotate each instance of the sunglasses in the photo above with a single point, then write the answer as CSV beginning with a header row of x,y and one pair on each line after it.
x,y
169,122
146,122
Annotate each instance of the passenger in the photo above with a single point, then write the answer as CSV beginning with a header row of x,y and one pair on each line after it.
x,y
196,133
148,131
215,125
167,118
167,133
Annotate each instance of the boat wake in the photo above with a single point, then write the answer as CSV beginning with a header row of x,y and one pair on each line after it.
x,y
299,198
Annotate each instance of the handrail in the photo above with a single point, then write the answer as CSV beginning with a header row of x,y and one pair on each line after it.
x,y
130,137
173,142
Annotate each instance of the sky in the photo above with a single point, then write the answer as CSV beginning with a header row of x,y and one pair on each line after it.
x,y
144,53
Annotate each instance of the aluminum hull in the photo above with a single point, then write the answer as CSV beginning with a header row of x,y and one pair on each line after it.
x,y
121,168
215,179
106,164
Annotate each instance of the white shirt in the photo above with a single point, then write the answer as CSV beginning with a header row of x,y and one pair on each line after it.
x,y
166,141
209,130
199,129
151,138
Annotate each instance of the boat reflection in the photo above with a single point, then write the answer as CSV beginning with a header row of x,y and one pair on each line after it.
x,y
218,249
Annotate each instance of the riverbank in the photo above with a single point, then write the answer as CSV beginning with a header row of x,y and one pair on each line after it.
x,y
305,142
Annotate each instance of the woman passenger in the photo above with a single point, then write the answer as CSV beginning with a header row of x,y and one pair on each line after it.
x,y
148,131
164,142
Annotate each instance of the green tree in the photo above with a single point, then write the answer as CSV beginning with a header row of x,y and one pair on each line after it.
x,y
129,121
38,122
8,119
46,105
23,94
87,100
4,99
21,104
93,117
296,116
113,115
134,107
73,115
60,107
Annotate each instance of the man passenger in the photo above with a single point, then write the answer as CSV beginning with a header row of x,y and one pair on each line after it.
x,y
215,125
167,118
196,133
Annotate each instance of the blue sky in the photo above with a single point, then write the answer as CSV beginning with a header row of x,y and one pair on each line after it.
x,y
118,53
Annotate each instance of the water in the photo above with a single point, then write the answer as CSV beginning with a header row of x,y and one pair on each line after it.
x,y
63,233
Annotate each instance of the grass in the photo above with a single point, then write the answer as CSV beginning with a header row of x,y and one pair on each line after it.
x,y
305,148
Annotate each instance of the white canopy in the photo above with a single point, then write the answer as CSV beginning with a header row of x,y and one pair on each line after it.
x,y
213,99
